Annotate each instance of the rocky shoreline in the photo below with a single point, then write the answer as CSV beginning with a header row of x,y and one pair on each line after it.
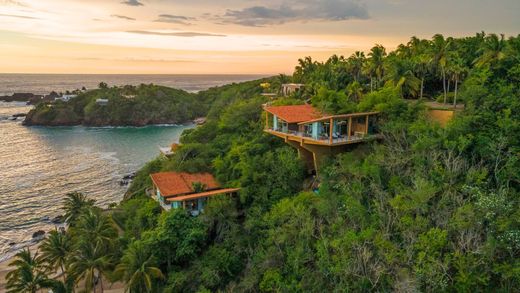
x,y
29,98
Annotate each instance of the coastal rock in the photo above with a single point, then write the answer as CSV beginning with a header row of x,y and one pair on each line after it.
x,y
38,234
58,220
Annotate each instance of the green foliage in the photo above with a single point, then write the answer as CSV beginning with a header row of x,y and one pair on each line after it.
x,y
129,105
424,209
333,102
177,240
138,270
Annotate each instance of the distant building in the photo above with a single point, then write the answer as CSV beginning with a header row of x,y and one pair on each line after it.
x,y
102,102
290,88
65,98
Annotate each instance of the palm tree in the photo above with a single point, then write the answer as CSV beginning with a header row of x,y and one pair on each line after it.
x,y
137,269
376,63
55,250
440,48
28,275
89,262
491,51
400,75
355,91
457,72
93,226
422,66
74,204
355,64
67,286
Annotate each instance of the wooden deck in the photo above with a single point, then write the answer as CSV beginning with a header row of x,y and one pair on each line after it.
x,y
302,139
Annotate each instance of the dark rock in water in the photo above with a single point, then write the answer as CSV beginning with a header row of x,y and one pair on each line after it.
x,y
58,220
129,176
20,115
38,234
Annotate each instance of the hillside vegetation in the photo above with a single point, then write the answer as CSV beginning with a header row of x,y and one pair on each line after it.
x,y
128,105
427,209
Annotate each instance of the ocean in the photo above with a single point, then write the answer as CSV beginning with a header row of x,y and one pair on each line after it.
x,y
45,83
40,165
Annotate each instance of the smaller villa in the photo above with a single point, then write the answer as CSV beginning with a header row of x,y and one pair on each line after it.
x,y
102,102
191,192
290,88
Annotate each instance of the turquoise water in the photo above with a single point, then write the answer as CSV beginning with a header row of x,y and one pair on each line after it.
x,y
39,165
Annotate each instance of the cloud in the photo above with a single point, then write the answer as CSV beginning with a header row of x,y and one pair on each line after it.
x,y
14,3
122,17
132,3
177,34
17,16
296,10
178,19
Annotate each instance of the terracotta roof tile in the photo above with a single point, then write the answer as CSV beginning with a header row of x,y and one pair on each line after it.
x,y
179,183
295,113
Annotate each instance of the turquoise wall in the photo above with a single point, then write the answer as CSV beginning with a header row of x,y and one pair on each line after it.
x,y
315,128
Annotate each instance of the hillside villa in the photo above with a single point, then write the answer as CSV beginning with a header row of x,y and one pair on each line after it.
x,y
290,88
315,134
175,190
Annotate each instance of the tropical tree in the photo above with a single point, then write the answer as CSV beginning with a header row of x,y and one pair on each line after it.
x,y
457,72
74,205
422,63
376,64
90,263
440,48
400,74
55,250
93,226
138,268
492,50
66,286
355,64
355,91
28,273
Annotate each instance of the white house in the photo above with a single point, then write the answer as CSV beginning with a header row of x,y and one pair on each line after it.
x,y
65,98
289,88
102,102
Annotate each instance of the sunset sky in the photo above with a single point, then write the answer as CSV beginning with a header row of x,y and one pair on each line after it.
x,y
224,36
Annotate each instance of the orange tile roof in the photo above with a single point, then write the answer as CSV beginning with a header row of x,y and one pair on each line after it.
x,y
295,113
179,183
203,194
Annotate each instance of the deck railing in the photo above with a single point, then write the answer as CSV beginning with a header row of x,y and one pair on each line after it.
x,y
323,138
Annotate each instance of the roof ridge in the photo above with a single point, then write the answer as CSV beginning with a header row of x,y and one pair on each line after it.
x,y
183,176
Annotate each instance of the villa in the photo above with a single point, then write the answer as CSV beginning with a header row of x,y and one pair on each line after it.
x,y
315,134
102,102
290,88
175,190
65,98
